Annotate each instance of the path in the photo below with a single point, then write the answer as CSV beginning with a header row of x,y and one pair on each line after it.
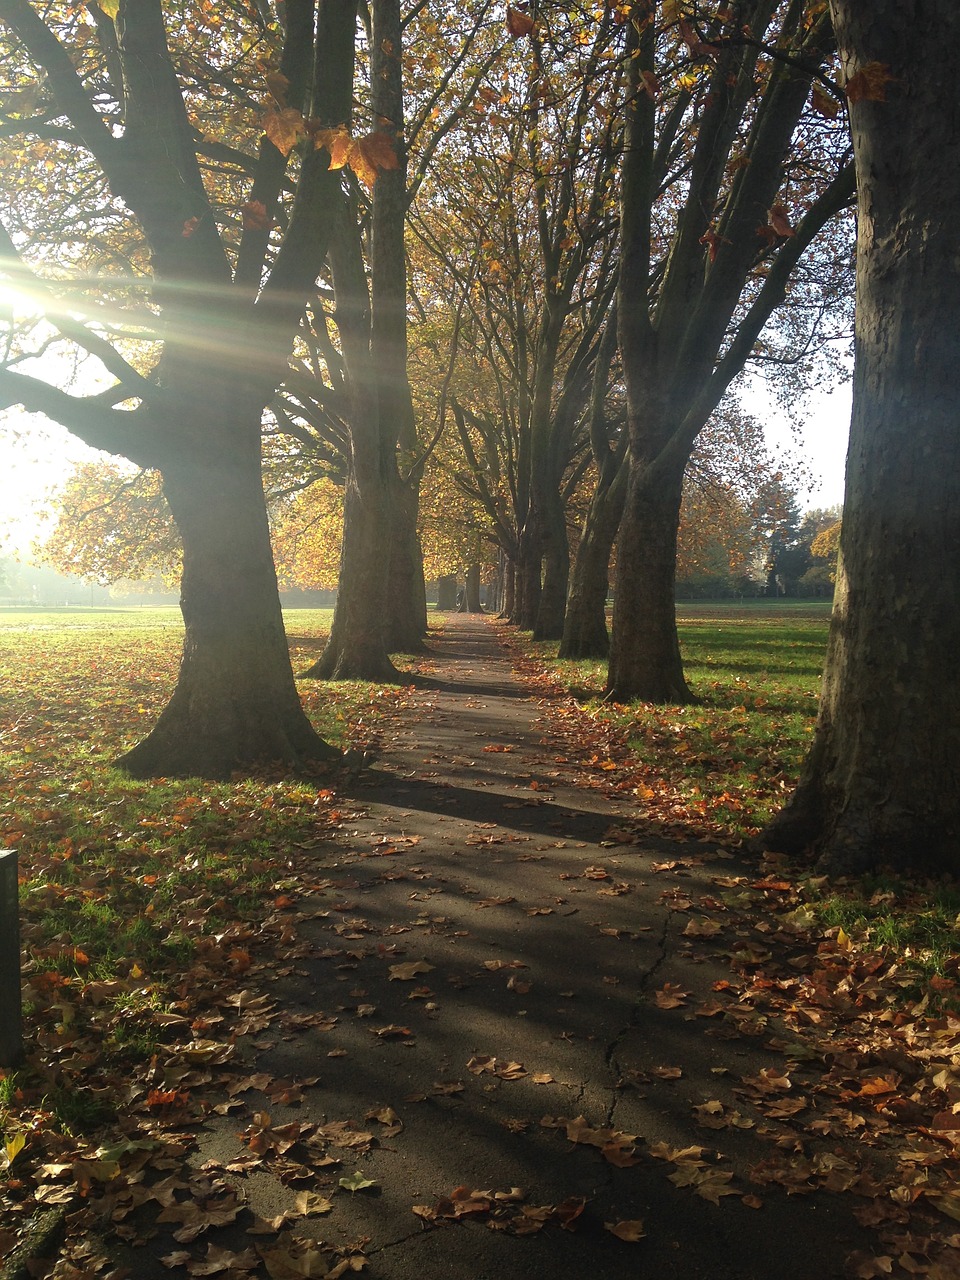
x,y
535,943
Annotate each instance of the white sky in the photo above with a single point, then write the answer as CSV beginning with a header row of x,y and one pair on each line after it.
x,y
36,455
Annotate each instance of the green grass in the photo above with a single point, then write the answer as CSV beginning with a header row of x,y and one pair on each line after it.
x,y
731,757
920,925
129,887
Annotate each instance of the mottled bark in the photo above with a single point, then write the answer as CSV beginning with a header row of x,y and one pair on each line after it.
x,y
471,591
645,661
447,592
356,648
528,579
509,572
685,326
235,704
585,632
881,784
555,549
406,590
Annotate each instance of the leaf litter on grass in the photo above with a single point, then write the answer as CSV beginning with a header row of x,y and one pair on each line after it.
x,y
154,916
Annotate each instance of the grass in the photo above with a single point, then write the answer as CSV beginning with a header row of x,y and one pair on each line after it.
x,y
920,926
128,885
733,755
728,762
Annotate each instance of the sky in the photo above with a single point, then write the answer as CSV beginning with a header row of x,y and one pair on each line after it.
x,y
36,456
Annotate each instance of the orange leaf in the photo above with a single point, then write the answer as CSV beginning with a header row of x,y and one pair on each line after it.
x,y
650,84
255,216
711,240
780,222
670,996
379,151
824,103
519,23
284,128
869,83
630,1230
278,84
338,142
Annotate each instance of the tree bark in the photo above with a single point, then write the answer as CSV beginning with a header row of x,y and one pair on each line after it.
x,y
585,632
447,592
471,592
686,326
508,591
406,590
528,580
880,785
645,661
555,546
235,704
356,648
406,598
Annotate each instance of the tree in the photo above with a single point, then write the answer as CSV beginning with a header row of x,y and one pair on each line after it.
x,y
722,194
521,218
215,288
113,523
880,782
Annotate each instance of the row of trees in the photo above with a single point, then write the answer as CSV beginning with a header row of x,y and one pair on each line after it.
x,y
606,216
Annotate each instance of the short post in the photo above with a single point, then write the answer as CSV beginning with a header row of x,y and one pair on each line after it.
x,y
11,1011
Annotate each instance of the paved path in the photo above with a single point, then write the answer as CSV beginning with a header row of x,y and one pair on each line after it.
x,y
535,941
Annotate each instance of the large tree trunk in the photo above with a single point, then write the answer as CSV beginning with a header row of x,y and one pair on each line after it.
x,y
645,660
447,592
556,571
406,589
585,624
881,783
508,572
356,649
471,592
235,704
528,582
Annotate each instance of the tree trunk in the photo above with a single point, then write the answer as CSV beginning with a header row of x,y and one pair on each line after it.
x,y
235,704
556,571
356,649
471,592
447,592
880,785
645,662
528,584
585,624
406,590
509,573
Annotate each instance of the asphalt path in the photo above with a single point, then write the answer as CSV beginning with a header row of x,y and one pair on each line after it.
x,y
479,999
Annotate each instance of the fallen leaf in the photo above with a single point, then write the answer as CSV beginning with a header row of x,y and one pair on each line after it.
x,y
629,1230
356,1182
407,972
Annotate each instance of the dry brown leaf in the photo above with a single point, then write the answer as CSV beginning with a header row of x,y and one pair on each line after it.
x,y
629,1230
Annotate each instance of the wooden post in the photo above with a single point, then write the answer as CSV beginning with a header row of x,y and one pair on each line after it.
x,y
11,1029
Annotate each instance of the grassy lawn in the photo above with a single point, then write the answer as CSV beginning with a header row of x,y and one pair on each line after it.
x,y
730,758
725,764
132,883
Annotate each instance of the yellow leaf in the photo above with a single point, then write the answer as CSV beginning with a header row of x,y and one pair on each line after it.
x,y
284,128
338,142
110,7
12,1148
630,1230
309,1204
407,972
